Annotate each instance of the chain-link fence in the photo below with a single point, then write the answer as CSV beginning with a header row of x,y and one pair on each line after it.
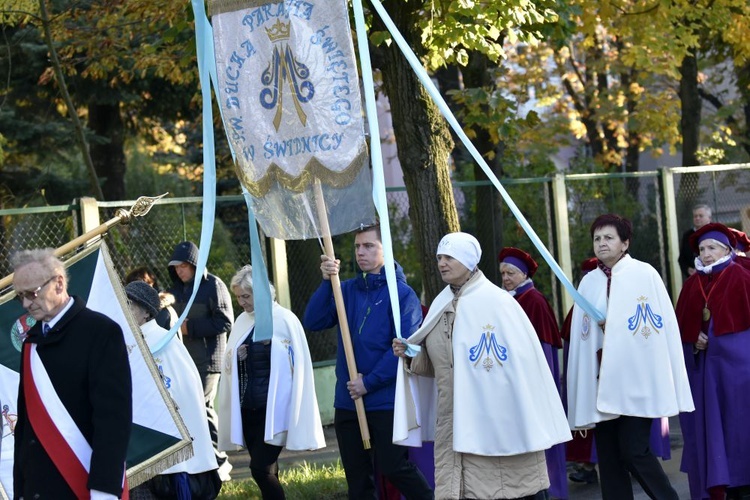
x,y
39,227
726,191
148,241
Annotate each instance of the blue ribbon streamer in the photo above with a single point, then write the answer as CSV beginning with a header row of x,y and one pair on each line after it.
x,y
378,178
262,301
205,53
448,114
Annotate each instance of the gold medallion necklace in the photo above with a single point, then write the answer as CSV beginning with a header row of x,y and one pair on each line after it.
x,y
706,310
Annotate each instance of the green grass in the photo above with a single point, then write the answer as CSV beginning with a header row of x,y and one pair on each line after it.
x,y
300,482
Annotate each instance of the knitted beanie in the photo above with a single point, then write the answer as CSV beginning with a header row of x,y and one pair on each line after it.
x,y
145,296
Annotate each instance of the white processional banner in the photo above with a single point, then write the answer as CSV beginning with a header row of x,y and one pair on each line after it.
x,y
291,105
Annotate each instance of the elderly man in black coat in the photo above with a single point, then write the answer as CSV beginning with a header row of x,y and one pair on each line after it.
x,y
74,397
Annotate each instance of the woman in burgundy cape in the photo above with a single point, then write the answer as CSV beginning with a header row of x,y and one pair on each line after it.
x,y
713,312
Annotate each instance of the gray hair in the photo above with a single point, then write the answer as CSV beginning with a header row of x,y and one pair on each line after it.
x,y
512,267
244,279
45,257
704,207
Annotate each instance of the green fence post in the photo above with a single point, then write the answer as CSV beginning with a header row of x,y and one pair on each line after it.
x,y
672,234
280,272
560,213
89,216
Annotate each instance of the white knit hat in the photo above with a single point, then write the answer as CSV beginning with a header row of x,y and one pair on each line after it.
x,y
463,247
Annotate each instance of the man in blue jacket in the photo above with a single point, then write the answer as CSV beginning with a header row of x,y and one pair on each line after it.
x,y
371,323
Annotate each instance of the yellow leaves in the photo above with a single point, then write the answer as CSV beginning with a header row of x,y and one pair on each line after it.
x,y
737,35
636,89
19,11
577,128
165,142
190,172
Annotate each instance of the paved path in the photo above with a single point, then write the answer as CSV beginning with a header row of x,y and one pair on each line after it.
x,y
240,460
330,454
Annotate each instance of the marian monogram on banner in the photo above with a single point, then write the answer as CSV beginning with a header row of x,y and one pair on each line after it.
x,y
288,88
645,321
285,69
289,93
487,350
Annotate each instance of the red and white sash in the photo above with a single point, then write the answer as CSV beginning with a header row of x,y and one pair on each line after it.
x,y
53,425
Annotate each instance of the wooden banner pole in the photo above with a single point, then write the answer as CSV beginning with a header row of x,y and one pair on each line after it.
x,y
338,297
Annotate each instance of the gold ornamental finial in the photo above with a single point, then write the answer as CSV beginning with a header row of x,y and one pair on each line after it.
x,y
140,208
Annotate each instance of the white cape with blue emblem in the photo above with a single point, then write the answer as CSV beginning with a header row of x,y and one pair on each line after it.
x,y
642,369
504,398
292,415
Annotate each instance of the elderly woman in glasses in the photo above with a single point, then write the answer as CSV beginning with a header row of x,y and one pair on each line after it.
x,y
497,405
713,312
267,393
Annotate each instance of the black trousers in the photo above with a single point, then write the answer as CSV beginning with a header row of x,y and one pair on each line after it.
x,y
210,383
623,448
392,460
263,456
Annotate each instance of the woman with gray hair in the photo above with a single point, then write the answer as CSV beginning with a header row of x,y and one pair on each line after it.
x,y
497,405
267,395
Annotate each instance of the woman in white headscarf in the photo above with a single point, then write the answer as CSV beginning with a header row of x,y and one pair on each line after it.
x,y
490,435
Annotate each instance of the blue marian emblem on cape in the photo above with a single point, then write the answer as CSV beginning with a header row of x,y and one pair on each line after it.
x,y
643,317
290,353
487,350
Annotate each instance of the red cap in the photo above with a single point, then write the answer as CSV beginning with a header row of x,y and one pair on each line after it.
x,y
743,242
716,231
518,258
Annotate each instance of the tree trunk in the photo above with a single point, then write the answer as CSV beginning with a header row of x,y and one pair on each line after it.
x,y
487,224
424,146
743,84
690,119
633,150
72,111
108,155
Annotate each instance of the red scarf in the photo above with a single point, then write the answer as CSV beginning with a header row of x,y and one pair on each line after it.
x,y
729,303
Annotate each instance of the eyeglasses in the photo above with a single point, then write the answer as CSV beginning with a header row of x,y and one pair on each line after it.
x,y
33,294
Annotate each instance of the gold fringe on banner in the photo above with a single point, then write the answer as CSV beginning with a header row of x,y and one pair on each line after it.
x,y
313,170
180,451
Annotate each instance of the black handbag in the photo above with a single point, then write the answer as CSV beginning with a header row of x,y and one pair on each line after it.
x,y
203,486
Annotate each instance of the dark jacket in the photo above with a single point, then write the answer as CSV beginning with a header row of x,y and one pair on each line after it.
x,y
255,371
368,310
209,320
87,361
687,257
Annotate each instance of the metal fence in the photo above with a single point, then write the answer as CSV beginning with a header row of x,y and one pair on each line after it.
x,y
560,209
